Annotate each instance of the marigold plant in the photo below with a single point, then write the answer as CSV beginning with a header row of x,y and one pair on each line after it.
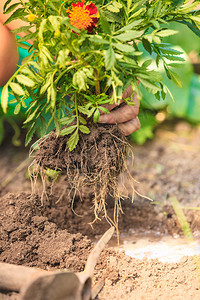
x,y
85,54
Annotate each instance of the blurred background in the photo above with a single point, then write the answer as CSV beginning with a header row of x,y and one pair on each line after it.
x,y
187,99
152,112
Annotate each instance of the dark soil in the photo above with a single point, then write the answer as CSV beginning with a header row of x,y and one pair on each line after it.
x,y
26,235
94,152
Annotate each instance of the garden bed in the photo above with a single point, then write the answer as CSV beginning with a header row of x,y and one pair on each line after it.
x,y
53,237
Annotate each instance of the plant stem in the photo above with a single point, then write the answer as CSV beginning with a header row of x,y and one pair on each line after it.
x,y
97,84
76,110
61,74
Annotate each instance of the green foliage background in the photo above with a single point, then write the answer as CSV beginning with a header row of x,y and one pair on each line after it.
x,y
187,99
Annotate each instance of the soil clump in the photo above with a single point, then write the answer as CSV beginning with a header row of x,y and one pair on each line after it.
x,y
91,169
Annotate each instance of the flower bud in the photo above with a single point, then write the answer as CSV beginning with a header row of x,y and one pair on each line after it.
x,y
57,33
31,17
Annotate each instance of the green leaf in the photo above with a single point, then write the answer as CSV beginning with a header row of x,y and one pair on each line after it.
x,y
122,47
18,14
83,110
91,112
188,8
98,40
47,53
21,29
104,23
175,78
147,46
174,58
23,46
17,89
45,86
166,32
30,134
157,10
110,58
43,126
170,51
6,4
117,4
112,17
13,101
155,24
67,120
82,120
128,36
103,109
68,130
25,80
73,140
89,103
177,2
53,174
31,116
57,124
149,84
150,76
4,98
168,91
113,9
137,13
96,116
53,97
11,8
27,37
84,129
175,65
129,2
17,109
147,63
129,26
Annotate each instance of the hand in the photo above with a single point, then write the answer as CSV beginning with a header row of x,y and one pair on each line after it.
x,y
124,115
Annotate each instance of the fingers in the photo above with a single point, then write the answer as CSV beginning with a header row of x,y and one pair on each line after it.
x,y
127,93
130,126
121,114
124,115
111,106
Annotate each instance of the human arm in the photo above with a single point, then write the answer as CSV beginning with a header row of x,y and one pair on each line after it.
x,y
8,54
8,48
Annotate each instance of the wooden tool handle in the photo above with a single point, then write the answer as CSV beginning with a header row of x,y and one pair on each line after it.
x,y
13,277
94,255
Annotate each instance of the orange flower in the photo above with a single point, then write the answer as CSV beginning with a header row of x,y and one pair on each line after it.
x,y
83,17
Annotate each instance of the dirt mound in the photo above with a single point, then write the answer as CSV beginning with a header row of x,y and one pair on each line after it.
x,y
35,235
128,278
28,238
